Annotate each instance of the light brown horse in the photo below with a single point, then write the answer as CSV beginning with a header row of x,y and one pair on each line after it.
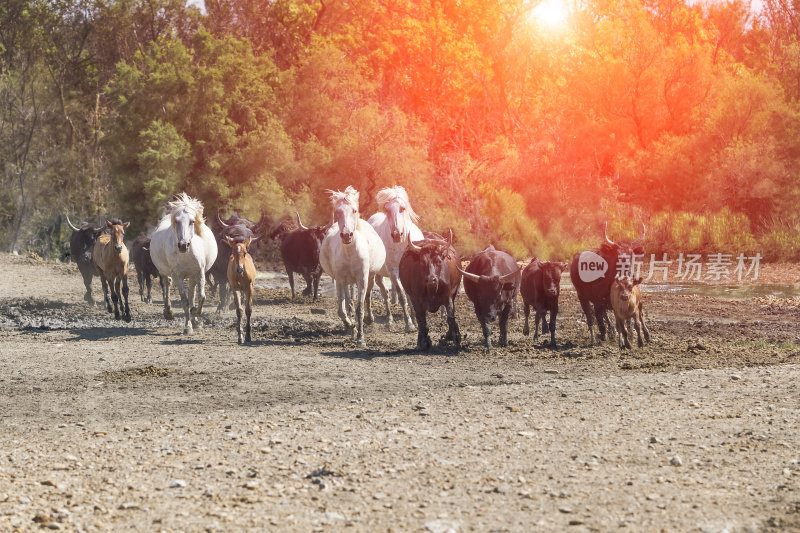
x,y
110,258
242,277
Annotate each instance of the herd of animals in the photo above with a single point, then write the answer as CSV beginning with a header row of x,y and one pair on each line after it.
x,y
424,267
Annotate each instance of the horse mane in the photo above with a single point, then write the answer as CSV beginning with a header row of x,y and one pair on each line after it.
x,y
184,201
398,192
349,195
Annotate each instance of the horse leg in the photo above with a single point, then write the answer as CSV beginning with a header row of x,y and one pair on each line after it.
x,y
187,320
237,299
114,287
401,295
349,298
370,318
343,303
249,311
602,318
364,284
149,280
140,278
201,299
385,295
125,293
104,283
644,326
165,283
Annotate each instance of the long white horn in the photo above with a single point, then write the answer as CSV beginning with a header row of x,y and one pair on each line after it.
x,y
506,277
70,223
469,275
298,221
414,246
221,223
609,241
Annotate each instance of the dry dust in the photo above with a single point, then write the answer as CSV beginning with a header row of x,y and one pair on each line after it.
x,y
112,426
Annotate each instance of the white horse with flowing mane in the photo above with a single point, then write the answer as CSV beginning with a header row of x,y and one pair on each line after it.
x,y
351,253
396,226
183,249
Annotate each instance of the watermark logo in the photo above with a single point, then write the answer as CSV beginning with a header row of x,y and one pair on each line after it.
x,y
591,266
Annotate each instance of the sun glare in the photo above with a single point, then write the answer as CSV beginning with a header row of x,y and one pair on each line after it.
x,y
551,13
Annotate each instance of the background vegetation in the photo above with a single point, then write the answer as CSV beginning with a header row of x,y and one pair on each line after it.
x,y
501,127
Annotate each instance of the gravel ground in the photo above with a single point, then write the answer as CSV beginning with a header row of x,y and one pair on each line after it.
x,y
110,426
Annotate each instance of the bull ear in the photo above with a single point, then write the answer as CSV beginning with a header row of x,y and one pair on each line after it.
x,y
125,225
247,242
509,286
637,281
229,241
563,266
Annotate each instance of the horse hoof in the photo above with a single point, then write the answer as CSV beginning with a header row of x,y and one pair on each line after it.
x,y
128,318
368,320
410,328
526,331
360,343
187,331
168,315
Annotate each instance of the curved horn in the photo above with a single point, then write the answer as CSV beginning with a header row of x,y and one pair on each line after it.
x,y
413,246
506,277
262,222
469,275
254,239
299,223
450,237
605,234
221,223
641,239
70,223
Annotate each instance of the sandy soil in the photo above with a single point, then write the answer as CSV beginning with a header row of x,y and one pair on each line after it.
x,y
112,426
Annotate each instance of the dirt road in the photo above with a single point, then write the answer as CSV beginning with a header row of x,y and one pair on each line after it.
x,y
112,426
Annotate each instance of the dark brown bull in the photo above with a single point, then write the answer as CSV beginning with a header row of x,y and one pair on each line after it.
x,y
491,282
81,244
110,258
300,253
145,269
541,285
593,271
430,276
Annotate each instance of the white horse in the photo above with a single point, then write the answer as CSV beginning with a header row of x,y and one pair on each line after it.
x,y
396,226
351,253
183,249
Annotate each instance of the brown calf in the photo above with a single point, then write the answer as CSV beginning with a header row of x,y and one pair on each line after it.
x,y
110,258
242,277
626,300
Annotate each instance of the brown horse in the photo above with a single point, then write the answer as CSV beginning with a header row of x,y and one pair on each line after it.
x,y
110,258
242,277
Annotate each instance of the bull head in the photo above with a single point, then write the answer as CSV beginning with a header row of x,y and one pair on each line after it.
x,y
476,278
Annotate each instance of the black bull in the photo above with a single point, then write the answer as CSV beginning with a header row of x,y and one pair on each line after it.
x,y
491,282
592,287
429,275
300,253
81,244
